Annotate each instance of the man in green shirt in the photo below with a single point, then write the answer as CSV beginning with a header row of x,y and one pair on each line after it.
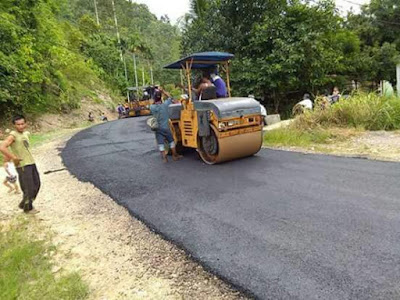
x,y
20,154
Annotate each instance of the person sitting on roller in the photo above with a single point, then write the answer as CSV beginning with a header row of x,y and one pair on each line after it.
x,y
219,84
160,111
206,90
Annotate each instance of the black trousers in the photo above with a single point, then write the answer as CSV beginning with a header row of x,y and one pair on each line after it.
x,y
29,181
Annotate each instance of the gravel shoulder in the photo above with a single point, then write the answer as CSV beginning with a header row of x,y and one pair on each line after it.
x,y
117,255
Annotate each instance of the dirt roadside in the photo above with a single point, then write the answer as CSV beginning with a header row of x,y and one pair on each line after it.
x,y
117,255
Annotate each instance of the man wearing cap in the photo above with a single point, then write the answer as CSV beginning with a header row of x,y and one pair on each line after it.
x,y
160,111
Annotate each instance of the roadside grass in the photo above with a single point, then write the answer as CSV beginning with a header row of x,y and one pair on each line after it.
x,y
366,111
317,138
26,267
292,137
337,123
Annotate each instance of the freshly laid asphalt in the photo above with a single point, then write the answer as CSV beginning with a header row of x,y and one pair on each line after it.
x,y
278,225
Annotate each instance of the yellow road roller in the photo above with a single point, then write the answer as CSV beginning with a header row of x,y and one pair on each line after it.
x,y
139,102
220,129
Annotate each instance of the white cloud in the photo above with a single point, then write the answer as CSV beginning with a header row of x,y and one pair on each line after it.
x,y
173,8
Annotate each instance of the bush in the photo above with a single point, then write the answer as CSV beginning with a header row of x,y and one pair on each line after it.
x,y
366,111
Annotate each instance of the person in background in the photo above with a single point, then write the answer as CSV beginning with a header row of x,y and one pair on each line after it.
x,y
146,96
160,111
90,117
21,156
386,89
120,110
219,84
11,178
103,117
303,105
126,107
306,102
335,95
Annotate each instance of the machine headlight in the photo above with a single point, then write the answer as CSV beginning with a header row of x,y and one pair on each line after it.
x,y
221,125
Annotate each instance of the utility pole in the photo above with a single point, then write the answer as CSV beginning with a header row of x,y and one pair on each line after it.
x,y
116,27
119,44
151,75
135,70
398,79
97,13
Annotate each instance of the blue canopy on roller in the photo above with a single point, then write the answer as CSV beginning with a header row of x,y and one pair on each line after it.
x,y
202,60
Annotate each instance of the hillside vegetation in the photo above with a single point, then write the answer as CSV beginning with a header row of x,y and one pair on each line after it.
x,y
53,52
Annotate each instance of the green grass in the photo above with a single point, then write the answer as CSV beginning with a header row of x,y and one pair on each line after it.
x,y
338,122
26,268
293,137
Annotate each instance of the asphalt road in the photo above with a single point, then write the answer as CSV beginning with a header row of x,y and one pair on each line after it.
x,y
278,225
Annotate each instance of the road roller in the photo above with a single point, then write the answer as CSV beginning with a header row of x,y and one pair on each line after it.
x,y
139,103
220,129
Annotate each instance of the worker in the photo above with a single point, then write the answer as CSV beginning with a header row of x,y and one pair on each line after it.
x,y
160,111
120,110
90,117
303,105
103,117
306,102
219,84
146,95
206,90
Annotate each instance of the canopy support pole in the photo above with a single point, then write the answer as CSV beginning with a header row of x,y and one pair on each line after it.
x,y
228,81
188,68
398,79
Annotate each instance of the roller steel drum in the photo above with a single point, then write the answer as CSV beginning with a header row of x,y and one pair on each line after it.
x,y
213,151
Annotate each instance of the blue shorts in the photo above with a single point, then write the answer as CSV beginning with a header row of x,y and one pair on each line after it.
x,y
162,135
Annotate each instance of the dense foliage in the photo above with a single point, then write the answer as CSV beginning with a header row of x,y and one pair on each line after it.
x,y
53,52
286,48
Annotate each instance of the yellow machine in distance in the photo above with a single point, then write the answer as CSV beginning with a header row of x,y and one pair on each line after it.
x,y
140,100
220,129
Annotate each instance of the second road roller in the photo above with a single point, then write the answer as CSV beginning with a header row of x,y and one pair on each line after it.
x,y
220,129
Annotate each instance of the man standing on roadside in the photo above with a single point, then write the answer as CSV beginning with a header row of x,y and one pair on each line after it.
x,y
29,180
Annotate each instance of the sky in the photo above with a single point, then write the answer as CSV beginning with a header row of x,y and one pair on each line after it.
x,y
177,8
173,8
